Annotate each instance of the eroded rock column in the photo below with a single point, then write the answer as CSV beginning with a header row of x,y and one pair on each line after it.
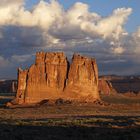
x,y
22,83
56,70
46,78
83,78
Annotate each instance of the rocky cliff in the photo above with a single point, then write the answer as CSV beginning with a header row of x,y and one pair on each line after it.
x,y
51,77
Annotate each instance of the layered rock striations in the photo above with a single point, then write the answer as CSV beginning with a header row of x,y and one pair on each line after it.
x,y
51,77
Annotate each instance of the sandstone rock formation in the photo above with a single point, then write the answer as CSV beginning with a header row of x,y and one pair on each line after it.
x,y
52,78
119,84
82,78
105,87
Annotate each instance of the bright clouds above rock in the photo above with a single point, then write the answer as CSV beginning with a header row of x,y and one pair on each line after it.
x,y
47,26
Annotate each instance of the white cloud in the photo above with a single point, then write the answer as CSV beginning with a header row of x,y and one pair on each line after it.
x,y
111,26
47,26
59,27
118,50
136,37
75,22
9,11
6,3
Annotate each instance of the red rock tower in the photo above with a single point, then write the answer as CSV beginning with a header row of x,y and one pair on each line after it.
x,y
22,83
46,79
51,78
83,77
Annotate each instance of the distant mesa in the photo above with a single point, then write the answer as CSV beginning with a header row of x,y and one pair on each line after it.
x,y
53,77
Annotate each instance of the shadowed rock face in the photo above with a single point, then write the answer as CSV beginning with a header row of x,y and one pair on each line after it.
x,y
51,78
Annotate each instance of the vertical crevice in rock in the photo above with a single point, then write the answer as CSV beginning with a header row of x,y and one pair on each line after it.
x,y
65,82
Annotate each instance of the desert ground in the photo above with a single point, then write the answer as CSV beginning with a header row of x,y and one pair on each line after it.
x,y
119,120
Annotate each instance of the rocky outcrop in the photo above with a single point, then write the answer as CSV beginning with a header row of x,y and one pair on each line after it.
x,y
51,77
105,87
121,84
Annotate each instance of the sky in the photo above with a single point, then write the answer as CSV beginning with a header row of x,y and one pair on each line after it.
x,y
107,30
104,8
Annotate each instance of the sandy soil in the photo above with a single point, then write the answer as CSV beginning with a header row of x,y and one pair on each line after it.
x,y
119,120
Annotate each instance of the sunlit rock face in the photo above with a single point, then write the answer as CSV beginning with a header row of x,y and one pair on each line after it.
x,y
47,77
83,78
51,77
22,84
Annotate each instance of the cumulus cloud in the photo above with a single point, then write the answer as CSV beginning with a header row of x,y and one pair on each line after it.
x,y
47,26
9,11
6,3
111,26
77,22
42,15
136,40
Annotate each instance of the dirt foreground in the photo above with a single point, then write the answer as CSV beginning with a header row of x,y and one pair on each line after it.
x,y
119,120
